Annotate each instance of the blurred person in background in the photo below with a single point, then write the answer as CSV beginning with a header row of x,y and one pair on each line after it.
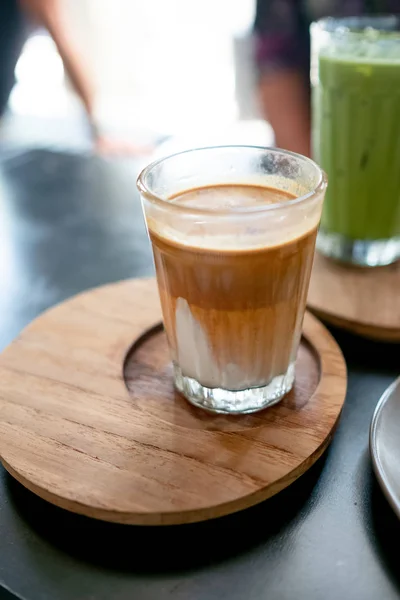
x,y
283,60
16,20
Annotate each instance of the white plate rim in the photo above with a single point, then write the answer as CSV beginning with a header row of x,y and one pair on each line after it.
x,y
392,497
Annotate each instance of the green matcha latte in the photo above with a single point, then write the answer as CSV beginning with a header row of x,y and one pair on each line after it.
x,y
356,136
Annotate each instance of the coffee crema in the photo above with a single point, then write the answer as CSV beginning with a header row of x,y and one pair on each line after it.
x,y
233,315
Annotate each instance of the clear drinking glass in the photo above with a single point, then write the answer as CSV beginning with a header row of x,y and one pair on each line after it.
x,y
355,74
233,263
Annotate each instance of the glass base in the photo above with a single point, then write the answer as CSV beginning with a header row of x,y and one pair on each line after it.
x,y
365,253
234,402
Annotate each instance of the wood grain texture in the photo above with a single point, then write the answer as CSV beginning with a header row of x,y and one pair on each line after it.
x,y
75,433
365,301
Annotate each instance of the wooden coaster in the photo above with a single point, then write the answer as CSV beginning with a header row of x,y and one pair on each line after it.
x,y
73,432
365,301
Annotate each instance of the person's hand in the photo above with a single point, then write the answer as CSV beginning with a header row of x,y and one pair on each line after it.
x,y
107,145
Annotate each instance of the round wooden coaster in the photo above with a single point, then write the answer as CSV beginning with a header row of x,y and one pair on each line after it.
x,y
362,300
92,423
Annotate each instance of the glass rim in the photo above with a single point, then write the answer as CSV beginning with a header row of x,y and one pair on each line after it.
x,y
360,27
163,202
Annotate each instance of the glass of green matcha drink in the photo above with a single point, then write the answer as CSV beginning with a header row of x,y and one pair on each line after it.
x,y
355,75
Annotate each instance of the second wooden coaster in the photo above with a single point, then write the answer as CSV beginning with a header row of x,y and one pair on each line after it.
x,y
93,424
365,301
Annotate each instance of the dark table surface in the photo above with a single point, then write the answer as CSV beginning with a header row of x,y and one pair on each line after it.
x,y
70,222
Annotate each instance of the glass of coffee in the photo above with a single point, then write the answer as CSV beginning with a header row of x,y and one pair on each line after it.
x,y
233,233
355,73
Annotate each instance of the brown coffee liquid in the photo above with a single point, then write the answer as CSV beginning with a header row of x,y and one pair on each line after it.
x,y
233,317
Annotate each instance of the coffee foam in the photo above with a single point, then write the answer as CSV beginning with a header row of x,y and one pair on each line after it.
x,y
234,231
225,197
